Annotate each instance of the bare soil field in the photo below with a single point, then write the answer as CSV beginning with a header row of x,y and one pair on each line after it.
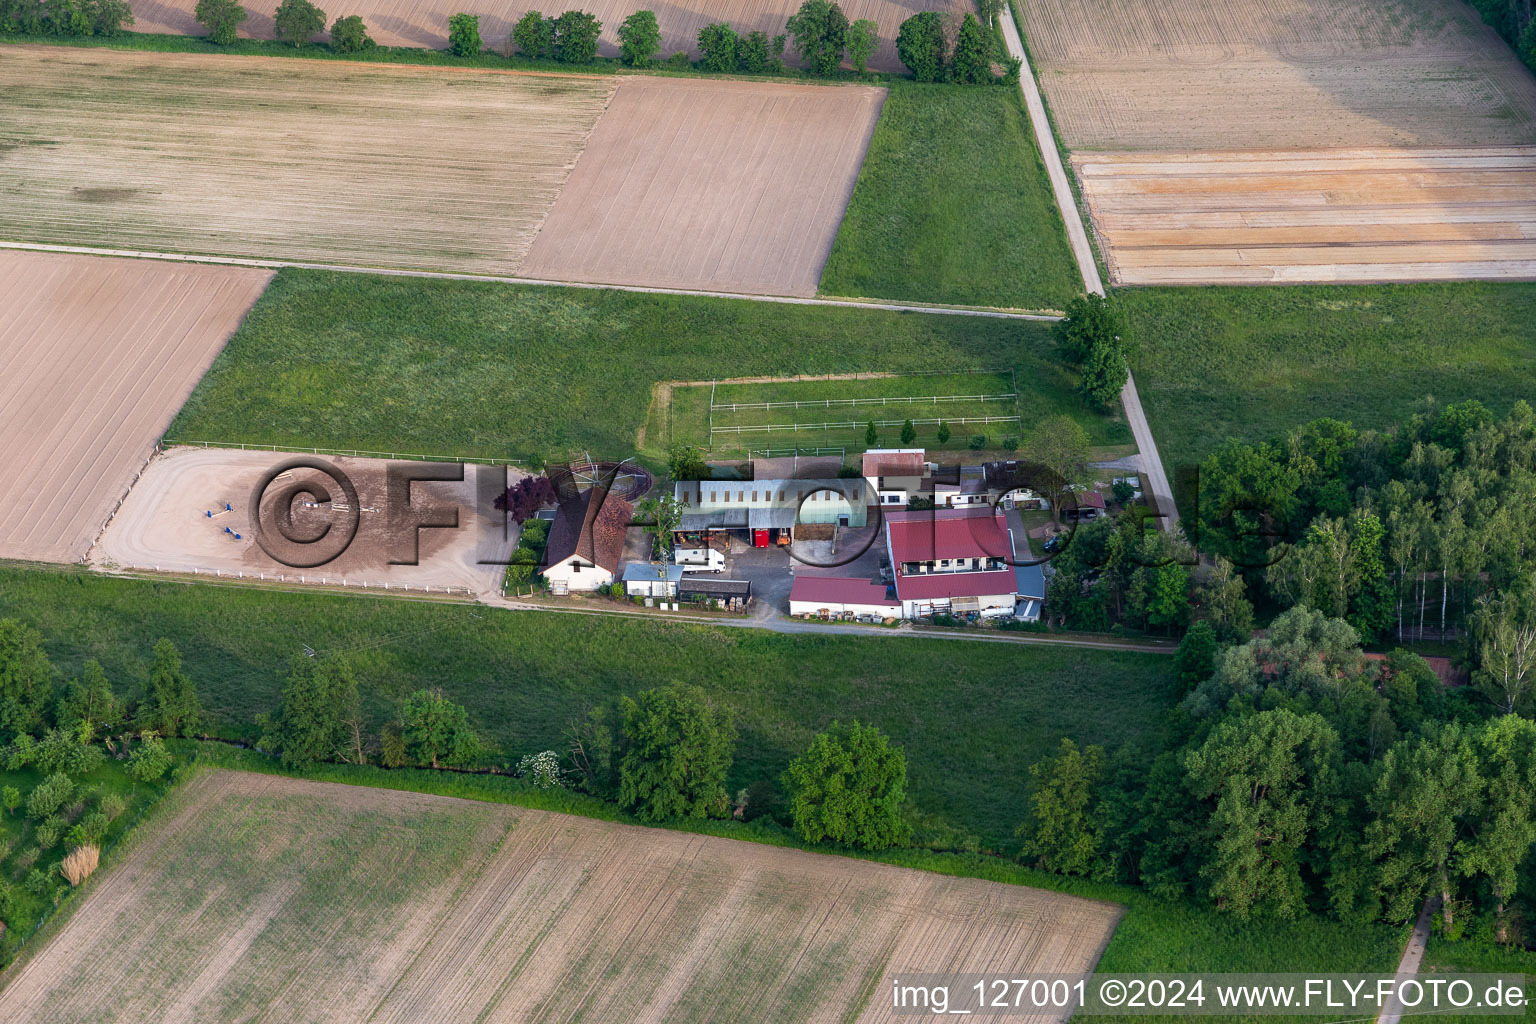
x,y
719,185
1276,74
260,897
425,22
164,524
1332,215
387,166
96,356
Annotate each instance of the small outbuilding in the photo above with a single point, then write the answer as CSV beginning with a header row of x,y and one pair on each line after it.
x,y
732,595
836,596
650,579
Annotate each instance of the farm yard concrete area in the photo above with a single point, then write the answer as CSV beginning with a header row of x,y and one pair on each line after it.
x,y
425,22
432,908
1203,75
1324,216
164,524
96,356
1306,141
724,186
400,167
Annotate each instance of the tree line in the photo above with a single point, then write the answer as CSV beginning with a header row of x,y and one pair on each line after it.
x,y
1307,777
60,732
65,17
822,34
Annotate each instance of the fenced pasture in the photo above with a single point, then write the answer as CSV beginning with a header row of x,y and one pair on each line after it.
x,y
96,356
718,185
386,166
836,412
424,23
261,897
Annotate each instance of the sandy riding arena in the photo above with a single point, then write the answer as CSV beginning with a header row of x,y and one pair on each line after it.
x,y
256,897
413,168
725,186
96,356
1335,215
164,525
425,22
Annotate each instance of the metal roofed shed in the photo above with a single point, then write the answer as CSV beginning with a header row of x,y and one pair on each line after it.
x,y
649,579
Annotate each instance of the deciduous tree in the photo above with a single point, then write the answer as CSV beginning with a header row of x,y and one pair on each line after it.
x,y
297,21
1064,833
26,678
717,44
464,35
848,788
1426,786
678,753
170,704
221,18
436,730
319,717
820,30
972,60
639,39
349,35
576,35
861,41
920,46
534,35
1270,780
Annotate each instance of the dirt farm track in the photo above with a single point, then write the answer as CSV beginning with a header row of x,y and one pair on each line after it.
x,y
96,357
425,22
254,897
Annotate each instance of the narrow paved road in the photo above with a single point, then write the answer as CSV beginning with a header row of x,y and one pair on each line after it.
x,y
1408,966
1077,236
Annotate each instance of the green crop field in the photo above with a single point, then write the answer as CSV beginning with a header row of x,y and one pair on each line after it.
x,y
953,206
1252,362
463,368
972,716
835,413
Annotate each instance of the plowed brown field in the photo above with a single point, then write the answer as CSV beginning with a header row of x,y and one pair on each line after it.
x,y
281,900
96,356
425,22
719,185
1341,215
387,166
1276,74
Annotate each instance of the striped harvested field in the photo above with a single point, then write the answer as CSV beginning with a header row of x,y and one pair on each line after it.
x,y
96,356
1197,75
425,22
1320,216
330,162
257,897
719,185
